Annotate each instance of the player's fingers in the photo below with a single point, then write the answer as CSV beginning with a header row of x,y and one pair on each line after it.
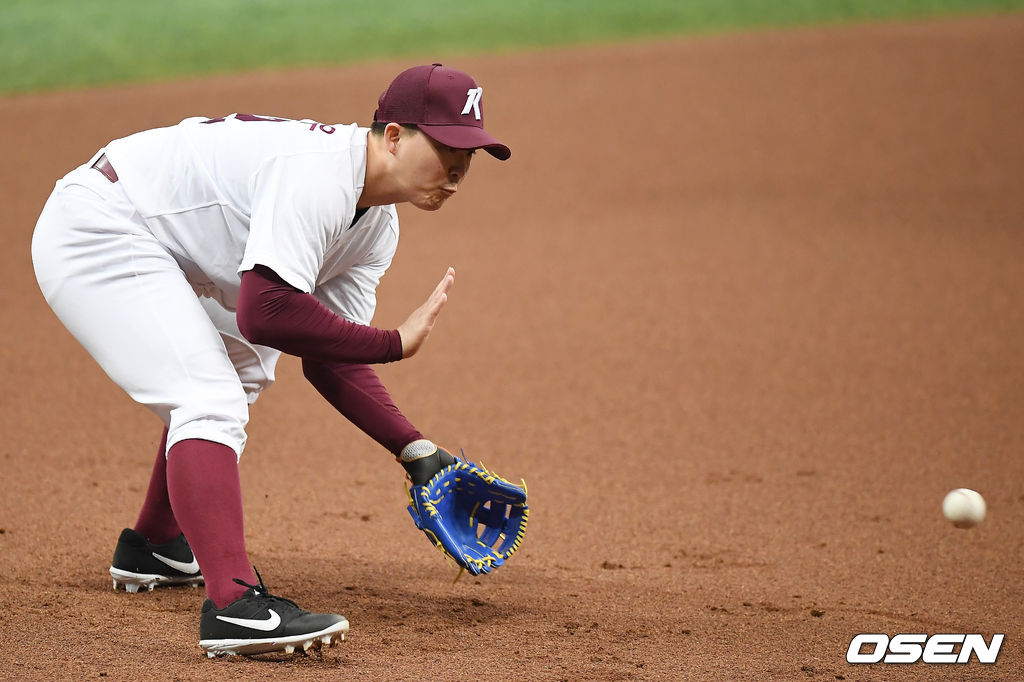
x,y
445,285
434,308
440,295
414,331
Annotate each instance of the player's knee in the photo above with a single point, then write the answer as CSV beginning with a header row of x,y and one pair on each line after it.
x,y
225,426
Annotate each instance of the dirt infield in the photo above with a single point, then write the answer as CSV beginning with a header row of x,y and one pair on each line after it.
x,y
741,310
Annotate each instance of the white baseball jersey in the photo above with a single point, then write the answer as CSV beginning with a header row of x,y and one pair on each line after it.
x,y
223,195
195,205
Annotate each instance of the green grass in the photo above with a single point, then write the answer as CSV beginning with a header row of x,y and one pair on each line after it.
x,y
55,44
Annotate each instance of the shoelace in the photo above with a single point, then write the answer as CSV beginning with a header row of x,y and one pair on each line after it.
x,y
261,590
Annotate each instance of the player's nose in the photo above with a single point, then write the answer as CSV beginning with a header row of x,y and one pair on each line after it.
x,y
457,171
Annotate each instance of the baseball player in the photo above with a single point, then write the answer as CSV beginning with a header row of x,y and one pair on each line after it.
x,y
186,259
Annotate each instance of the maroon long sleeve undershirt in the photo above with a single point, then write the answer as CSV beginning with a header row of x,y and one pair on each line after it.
x,y
334,353
273,313
357,392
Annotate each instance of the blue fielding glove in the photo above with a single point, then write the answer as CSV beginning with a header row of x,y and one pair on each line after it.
x,y
475,517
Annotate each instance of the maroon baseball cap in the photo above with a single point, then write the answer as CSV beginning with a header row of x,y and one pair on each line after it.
x,y
443,103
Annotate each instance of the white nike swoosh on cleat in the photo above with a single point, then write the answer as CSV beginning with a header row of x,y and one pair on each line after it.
x,y
179,565
265,625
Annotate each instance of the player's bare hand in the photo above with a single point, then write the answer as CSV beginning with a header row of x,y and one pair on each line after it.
x,y
415,330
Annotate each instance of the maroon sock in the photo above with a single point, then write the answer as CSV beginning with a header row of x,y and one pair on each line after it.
x,y
206,493
156,520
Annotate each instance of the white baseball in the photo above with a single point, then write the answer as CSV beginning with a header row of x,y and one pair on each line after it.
x,y
964,507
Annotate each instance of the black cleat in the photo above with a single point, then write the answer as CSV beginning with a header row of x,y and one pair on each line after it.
x,y
259,623
139,563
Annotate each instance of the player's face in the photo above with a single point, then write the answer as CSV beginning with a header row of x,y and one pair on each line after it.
x,y
432,172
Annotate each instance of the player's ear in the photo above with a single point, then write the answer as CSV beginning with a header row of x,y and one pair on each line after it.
x,y
392,135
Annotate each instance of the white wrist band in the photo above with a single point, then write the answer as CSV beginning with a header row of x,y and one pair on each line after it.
x,y
417,449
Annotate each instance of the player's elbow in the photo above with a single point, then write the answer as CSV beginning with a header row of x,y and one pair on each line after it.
x,y
255,327
316,373
258,298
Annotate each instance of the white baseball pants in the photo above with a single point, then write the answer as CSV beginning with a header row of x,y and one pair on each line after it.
x,y
124,297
